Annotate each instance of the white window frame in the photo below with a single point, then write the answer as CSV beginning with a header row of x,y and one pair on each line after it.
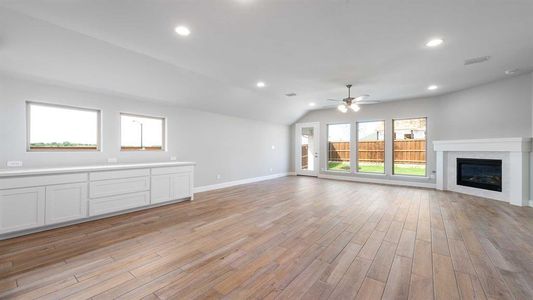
x,y
326,169
163,131
384,147
426,149
65,149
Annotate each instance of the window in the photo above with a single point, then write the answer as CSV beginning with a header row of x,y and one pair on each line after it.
x,y
410,147
139,133
339,147
371,147
62,128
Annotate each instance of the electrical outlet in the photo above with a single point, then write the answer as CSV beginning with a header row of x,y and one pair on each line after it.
x,y
112,160
271,169
219,176
273,147
173,158
14,163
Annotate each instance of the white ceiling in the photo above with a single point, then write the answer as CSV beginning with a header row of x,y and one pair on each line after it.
x,y
308,47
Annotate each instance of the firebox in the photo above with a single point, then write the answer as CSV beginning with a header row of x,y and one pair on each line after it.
x,y
480,173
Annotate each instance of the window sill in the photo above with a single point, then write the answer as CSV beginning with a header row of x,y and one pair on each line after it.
x,y
410,176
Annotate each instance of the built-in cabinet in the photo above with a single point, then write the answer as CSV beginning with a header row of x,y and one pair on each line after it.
x,y
21,209
65,202
30,201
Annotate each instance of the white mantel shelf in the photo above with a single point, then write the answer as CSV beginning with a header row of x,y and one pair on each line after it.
x,y
504,144
89,168
515,155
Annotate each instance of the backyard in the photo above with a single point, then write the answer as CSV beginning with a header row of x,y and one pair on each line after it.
x,y
399,169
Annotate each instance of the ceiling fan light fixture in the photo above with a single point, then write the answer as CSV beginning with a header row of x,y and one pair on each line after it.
x,y
342,108
355,107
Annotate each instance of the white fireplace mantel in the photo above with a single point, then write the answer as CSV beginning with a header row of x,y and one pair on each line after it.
x,y
514,153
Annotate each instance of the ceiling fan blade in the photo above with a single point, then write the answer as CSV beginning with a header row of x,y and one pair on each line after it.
x,y
361,97
335,100
363,102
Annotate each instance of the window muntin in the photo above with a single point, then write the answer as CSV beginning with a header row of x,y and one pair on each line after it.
x,y
371,147
338,147
62,128
409,149
141,133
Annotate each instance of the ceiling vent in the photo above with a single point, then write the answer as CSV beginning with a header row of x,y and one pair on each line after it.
x,y
290,94
476,60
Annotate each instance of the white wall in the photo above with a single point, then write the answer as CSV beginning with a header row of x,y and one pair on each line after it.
x,y
233,147
498,109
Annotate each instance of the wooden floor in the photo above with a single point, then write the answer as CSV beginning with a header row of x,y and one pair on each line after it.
x,y
287,238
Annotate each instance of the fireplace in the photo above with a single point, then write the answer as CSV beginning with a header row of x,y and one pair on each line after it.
x,y
480,173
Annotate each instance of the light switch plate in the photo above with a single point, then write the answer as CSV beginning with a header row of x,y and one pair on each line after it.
x,y
14,163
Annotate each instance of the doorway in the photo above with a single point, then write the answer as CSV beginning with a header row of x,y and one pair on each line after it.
x,y
307,147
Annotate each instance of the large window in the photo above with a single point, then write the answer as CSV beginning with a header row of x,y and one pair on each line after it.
x,y
371,147
62,128
140,133
410,147
339,147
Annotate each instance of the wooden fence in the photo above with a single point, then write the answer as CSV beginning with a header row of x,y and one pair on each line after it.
x,y
405,151
410,151
304,157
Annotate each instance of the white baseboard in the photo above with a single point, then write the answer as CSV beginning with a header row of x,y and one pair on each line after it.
x,y
379,180
206,188
291,174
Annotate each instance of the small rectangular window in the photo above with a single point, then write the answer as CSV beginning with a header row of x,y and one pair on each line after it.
x,y
371,147
62,128
410,147
339,147
141,133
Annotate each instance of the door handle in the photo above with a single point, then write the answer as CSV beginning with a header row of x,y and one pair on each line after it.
x,y
316,155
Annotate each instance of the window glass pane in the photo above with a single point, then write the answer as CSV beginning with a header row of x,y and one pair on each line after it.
x,y
141,133
410,147
62,128
339,147
371,147
308,149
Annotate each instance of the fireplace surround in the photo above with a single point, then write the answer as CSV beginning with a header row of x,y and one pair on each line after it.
x,y
513,152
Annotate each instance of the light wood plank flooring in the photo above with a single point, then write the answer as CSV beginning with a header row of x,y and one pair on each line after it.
x,y
287,238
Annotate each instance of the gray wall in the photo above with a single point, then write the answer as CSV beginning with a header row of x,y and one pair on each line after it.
x,y
233,147
494,110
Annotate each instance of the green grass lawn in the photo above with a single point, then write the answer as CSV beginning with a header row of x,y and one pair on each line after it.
x,y
374,168
399,169
338,166
410,170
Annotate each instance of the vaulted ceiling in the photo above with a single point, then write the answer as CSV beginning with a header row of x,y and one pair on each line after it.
x,y
308,47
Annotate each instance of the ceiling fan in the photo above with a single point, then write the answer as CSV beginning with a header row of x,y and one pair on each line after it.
x,y
351,102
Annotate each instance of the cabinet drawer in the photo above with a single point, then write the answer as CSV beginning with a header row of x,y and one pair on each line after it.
x,y
172,170
31,181
21,209
118,203
104,188
119,174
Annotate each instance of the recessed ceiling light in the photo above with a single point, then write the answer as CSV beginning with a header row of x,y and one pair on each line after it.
x,y
312,104
434,42
432,87
182,30
260,84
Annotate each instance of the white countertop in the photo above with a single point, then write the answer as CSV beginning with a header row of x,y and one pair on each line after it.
x,y
90,168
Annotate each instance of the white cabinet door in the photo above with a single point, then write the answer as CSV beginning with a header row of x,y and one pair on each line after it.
x,y
170,187
180,186
21,209
161,188
66,202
